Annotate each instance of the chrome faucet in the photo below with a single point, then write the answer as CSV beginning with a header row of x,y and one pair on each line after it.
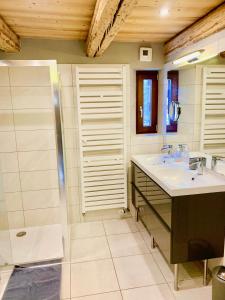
x,y
168,148
182,147
197,163
215,158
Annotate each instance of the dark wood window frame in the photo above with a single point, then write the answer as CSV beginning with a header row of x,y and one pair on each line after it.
x,y
140,77
174,77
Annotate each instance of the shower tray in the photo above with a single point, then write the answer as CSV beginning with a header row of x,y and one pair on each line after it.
x,y
36,244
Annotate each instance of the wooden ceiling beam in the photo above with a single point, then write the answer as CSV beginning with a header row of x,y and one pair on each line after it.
x,y
213,22
109,15
9,41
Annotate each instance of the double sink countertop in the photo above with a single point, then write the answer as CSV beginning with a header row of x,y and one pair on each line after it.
x,y
175,177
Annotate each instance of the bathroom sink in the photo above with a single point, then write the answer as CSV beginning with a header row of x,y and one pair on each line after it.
x,y
176,178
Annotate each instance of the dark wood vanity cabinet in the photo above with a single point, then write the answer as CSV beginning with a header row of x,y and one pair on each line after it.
x,y
185,228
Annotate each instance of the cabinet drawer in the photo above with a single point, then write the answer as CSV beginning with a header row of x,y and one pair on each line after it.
x,y
157,229
154,195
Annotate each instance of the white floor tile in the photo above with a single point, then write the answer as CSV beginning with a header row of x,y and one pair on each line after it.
x,y
137,271
106,296
192,289
5,276
65,283
127,244
85,230
120,226
140,226
155,292
89,249
186,271
93,277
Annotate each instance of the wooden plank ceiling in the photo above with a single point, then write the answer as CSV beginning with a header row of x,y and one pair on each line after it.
x,y
146,24
71,19
102,21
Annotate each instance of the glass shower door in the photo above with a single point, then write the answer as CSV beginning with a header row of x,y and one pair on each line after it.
x,y
5,243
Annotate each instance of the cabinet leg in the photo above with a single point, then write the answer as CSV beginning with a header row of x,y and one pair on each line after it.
x,y
153,243
205,274
137,215
176,277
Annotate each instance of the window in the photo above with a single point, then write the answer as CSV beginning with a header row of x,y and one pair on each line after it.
x,y
173,86
147,101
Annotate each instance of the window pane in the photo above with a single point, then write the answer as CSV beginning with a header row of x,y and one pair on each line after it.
x,y
147,102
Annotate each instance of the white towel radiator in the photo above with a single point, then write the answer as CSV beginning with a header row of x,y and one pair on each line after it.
x,y
101,97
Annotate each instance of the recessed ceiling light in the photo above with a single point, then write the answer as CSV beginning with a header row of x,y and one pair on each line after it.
x,y
188,58
164,11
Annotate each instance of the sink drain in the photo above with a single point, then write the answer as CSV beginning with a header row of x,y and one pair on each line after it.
x,y
21,233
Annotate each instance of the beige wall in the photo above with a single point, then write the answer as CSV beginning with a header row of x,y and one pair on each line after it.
x,y
73,52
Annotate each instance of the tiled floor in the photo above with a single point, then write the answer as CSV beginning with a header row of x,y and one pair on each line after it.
x,y
112,260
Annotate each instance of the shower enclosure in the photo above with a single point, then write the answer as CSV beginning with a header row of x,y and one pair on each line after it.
x,y
33,208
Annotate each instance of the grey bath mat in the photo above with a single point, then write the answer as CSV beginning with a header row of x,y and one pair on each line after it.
x,y
37,282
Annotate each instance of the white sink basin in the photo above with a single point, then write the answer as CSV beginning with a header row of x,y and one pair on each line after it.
x,y
176,178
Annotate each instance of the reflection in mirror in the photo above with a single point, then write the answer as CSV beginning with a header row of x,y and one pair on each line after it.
x,y
174,111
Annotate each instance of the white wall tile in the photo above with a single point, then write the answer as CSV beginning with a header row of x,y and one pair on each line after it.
x,y
9,162
37,160
5,96
70,138
187,114
195,146
65,283
40,199
69,119
35,140
40,217
13,201
73,177
73,195
38,180
29,76
7,142
187,76
16,219
74,213
32,119
198,113
178,138
11,182
146,149
31,97
187,94
142,139
4,76
65,72
72,158
6,120
67,97
197,132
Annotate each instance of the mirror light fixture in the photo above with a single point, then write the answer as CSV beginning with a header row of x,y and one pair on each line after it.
x,y
189,58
